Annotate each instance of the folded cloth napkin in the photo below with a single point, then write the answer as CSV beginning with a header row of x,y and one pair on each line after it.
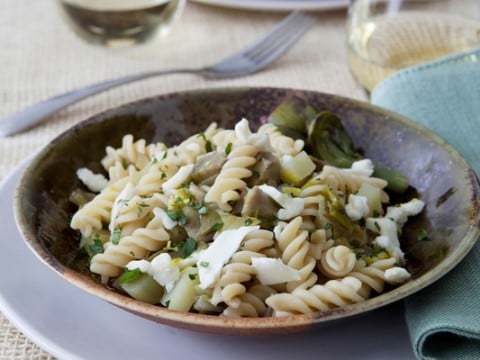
x,y
444,95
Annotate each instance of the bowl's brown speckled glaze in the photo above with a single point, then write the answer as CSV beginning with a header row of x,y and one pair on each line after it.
x,y
442,178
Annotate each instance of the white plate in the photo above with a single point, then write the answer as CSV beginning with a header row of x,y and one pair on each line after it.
x,y
72,324
279,5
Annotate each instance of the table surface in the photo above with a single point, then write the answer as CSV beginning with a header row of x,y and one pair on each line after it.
x,y
40,57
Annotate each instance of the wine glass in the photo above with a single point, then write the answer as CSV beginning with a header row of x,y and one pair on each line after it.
x,y
387,35
121,23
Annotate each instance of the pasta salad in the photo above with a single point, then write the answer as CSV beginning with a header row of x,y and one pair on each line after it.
x,y
234,222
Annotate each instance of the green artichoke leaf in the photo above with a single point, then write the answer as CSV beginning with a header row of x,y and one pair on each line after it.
x,y
328,140
291,117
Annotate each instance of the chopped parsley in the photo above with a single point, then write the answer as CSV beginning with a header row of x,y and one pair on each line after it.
x,y
130,275
329,227
140,207
97,246
217,226
200,207
188,247
228,148
204,264
422,235
178,216
115,237
208,143
192,276
377,226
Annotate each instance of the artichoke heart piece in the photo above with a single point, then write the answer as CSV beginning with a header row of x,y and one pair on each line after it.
x,y
208,166
265,171
259,205
296,169
291,117
182,296
144,288
201,227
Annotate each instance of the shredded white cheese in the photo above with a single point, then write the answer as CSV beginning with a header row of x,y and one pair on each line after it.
x,y
397,275
94,182
389,226
180,177
291,207
363,167
163,269
242,131
400,213
273,271
143,265
211,260
357,207
167,221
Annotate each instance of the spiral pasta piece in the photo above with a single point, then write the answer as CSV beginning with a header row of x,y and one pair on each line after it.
x,y
334,293
314,209
118,171
140,207
138,245
91,216
295,247
133,152
224,137
194,146
251,303
373,275
319,243
338,261
281,144
229,183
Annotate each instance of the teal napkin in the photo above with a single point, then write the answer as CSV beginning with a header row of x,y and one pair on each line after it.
x,y
444,318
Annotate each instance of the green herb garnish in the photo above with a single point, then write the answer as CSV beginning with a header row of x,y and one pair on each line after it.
x,y
178,216
97,246
130,275
115,237
188,247
208,143
422,235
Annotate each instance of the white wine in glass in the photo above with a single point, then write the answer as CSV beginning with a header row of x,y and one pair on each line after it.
x,y
387,35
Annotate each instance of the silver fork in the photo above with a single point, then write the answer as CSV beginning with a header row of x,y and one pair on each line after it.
x,y
255,57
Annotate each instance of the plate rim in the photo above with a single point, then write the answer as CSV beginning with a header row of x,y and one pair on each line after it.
x,y
275,5
244,325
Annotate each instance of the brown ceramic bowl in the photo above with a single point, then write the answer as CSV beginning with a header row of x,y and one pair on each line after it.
x,y
441,176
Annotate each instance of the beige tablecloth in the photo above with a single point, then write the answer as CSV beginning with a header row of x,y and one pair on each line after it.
x,y
40,57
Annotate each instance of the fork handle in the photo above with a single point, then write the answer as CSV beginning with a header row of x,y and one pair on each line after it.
x,y
39,111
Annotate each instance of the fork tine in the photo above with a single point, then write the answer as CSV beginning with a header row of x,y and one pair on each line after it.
x,y
295,21
270,51
282,42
